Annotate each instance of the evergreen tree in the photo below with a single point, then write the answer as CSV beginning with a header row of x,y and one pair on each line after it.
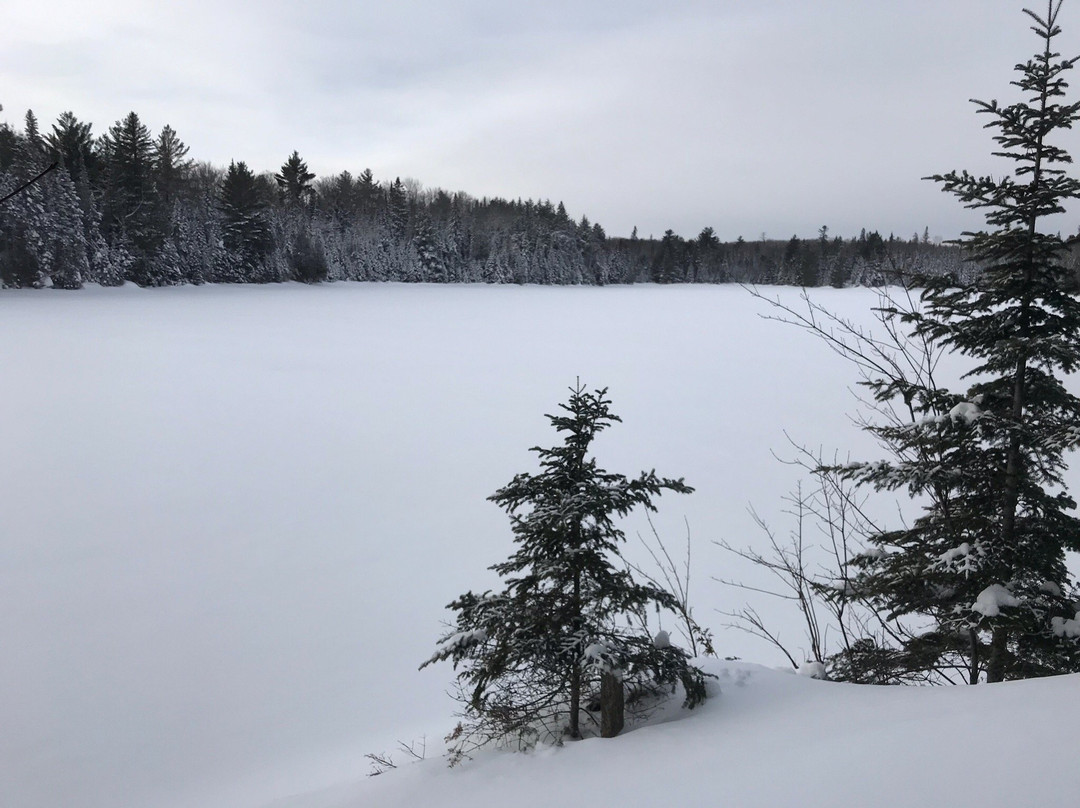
x,y
34,142
367,191
294,181
339,198
8,144
432,266
42,234
665,266
398,210
24,238
65,233
70,142
531,656
170,165
307,259
245,230
986,560
131,211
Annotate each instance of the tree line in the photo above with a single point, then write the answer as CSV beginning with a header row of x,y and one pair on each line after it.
x,y
129,206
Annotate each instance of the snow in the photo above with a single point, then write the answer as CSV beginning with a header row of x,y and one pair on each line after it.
x,y
598,655
993,599
1066,628
662,640
460,640
770,739
232,517
962,559
966,411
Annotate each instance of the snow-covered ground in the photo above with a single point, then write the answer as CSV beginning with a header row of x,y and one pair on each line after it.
x,y
774,739
230,519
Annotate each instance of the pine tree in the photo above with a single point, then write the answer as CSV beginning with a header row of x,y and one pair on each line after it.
x,y
986,560
170,166
340,198
70,142
245,230
34,142
65,233
41,228
131,211
397,202
531,657
24,240
294,181
367,191
432,266
665,266
8,144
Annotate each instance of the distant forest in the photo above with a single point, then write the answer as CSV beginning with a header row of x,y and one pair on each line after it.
x,y
129,206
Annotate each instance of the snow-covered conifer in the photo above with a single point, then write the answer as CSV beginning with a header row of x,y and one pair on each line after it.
x,y
986,560
531,657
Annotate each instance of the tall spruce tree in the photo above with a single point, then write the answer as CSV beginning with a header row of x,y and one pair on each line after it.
x,y
170,166
985,562
131,216
368,192
533,655
245,229
294,181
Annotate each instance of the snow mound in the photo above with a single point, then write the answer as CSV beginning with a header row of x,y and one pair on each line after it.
x,y
993,599
813,669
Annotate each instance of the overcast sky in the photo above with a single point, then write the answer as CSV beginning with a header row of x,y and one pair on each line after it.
x,y
773,116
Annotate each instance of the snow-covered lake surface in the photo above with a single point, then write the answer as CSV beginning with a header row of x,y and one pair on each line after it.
x,y
230,519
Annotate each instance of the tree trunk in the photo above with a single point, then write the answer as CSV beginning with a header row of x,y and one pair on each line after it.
x,y
973,666
612,705
574,730
999,648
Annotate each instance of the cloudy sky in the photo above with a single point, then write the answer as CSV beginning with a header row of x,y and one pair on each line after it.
x,y
764,116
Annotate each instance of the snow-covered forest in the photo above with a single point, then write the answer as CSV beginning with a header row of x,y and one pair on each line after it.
x,y
131,206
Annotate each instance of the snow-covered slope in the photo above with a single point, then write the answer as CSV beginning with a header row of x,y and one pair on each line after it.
x,y
230,519
775,739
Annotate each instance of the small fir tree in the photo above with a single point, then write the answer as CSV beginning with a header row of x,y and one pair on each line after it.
x,y
532,657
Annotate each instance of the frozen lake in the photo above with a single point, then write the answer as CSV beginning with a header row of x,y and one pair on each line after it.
x,y
231,517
